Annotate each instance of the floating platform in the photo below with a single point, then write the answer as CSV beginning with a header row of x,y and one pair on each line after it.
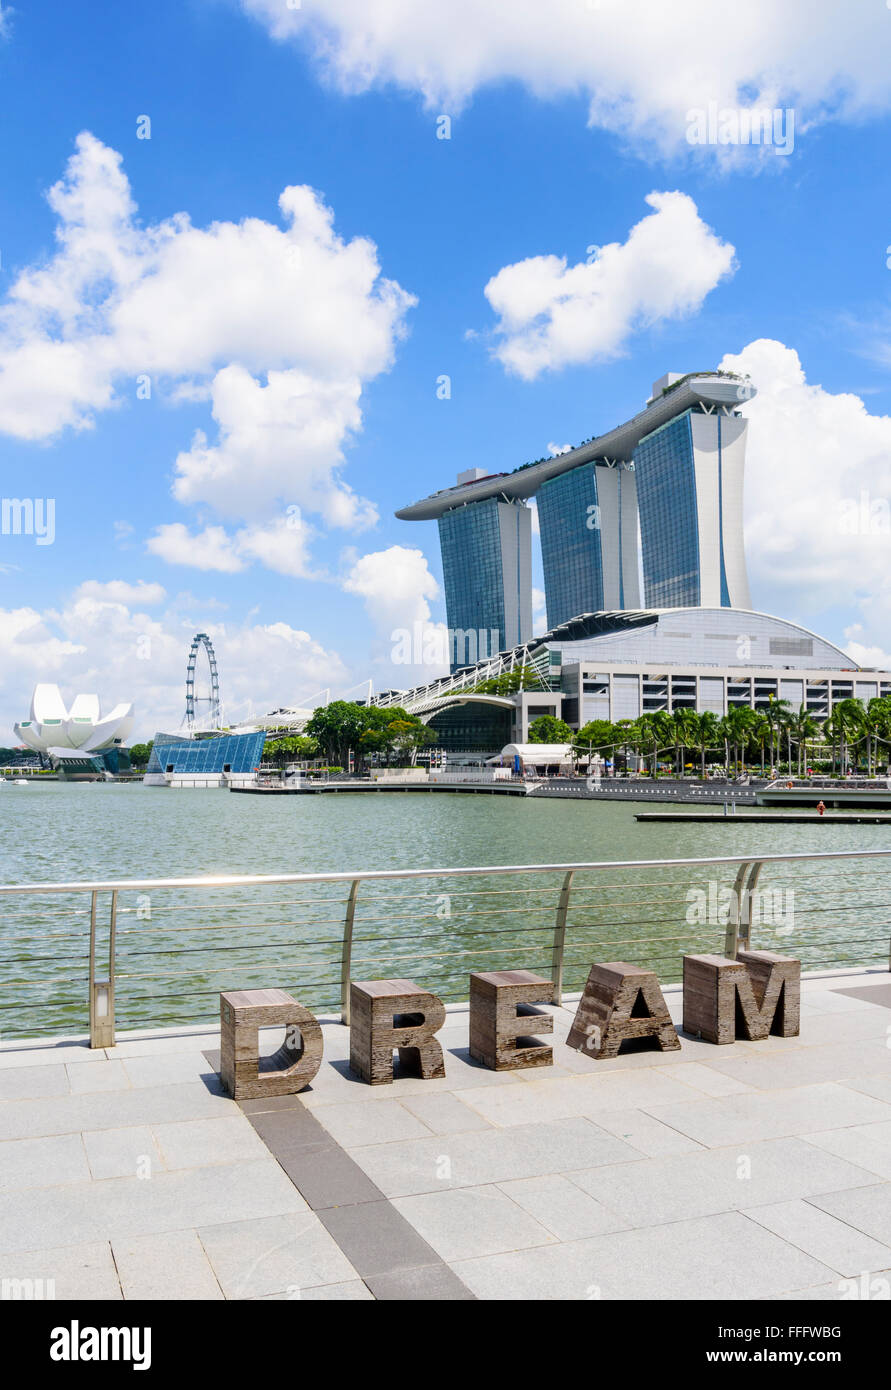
x,y
766,817
326,788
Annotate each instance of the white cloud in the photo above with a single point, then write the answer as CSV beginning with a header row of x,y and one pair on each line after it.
x,y
279,328
119,591
641,64
281,544
396,586
876,657
555,449
818,495
98,644
395,583
210,549
539,615
552,315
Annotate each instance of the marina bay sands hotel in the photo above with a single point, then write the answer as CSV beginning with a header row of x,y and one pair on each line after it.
x,y
659,497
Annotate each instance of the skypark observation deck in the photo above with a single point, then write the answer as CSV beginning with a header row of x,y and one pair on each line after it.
x,y
676,469
710,393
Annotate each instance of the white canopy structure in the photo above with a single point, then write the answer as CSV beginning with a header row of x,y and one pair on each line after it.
x,y
53,729
532,755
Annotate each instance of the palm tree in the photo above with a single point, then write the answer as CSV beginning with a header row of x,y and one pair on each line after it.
x,y
707,735
877,725
802,726
845,726
777,714
685,723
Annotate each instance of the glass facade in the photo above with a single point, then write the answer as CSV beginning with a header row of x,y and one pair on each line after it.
x,y
571,554
669,528
228,753
487,568
472,727
470,538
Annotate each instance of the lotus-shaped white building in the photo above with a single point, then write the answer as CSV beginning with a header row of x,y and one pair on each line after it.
x,y
55,731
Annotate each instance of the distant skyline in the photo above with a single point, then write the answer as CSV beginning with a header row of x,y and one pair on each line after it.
x,y
269,272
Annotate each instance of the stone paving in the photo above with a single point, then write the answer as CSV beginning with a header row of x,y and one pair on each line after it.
x,y
756,1170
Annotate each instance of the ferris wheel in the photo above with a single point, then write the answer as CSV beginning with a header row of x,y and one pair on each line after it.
x,y
209,704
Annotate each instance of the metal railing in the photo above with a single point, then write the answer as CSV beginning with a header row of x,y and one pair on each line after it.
x,y
141,953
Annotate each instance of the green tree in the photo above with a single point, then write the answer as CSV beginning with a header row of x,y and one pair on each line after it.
x,y
705,736
547,729
297,748
140,753
803,727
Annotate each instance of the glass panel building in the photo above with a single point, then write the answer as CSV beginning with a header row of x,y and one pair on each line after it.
x,y
487,573
690,489
588,525
240,753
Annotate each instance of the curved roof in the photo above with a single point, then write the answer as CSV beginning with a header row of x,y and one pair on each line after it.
x,y
617,444
52,726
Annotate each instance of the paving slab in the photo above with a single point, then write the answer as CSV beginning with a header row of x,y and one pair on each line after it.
x,y
353,1291
280,1254
771,1114
122,1153
191,1100
715,1257
199,1143
42,1162
869,1146
868,1209
678,1187
78,1272
29,1083
496,1155
561,1206
120,1207
110,1077
145,1265
463,1222
832,1242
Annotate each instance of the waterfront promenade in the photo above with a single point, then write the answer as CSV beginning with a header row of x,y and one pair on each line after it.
x,y
754,1170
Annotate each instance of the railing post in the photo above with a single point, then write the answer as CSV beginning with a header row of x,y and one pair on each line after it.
x,y
102,991
346,956
560,939
746,915
731,936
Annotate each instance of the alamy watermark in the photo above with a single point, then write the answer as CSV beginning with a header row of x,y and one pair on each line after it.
x,y
427,644
29,516
742,125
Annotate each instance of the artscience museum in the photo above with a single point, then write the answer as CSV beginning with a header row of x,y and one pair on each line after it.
x,y
79,740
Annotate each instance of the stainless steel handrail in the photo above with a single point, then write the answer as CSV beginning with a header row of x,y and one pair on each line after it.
x,y
102,990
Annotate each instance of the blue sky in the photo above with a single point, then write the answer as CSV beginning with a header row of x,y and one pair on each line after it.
x,y
246,100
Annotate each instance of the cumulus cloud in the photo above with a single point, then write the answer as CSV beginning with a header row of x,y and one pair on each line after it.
x,y
640,64
397,587
281,544
278,328
119,591
210,549
96,642
553,315
818,496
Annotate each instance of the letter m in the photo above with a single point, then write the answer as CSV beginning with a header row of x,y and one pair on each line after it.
x,y
767,995
464,646
17,516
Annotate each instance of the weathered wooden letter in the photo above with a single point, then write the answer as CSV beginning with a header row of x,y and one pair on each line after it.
x,y
245,1076
751,997
390,1015
500,1022
621,1002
